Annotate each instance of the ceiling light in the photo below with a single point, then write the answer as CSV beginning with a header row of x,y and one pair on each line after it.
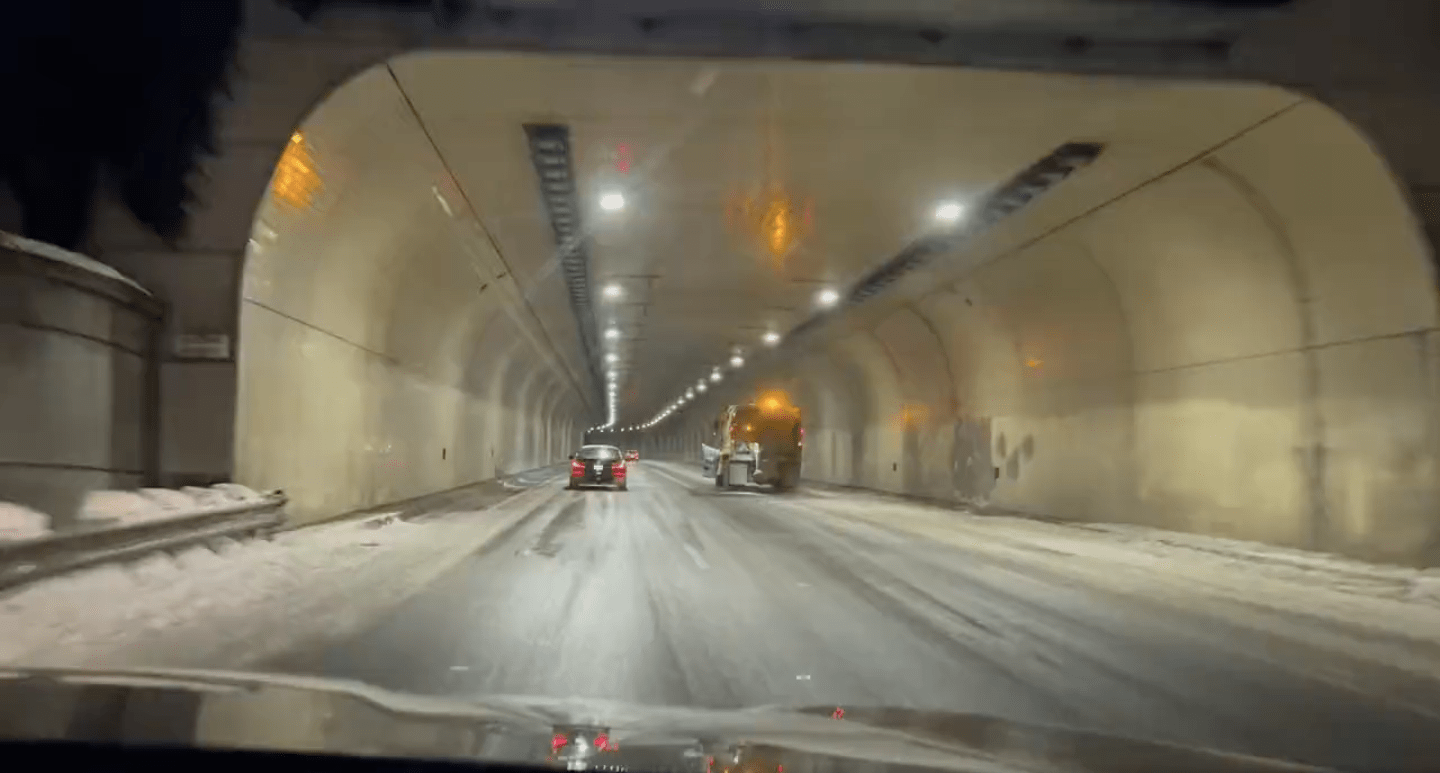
x,y
715,375
613,290
948,211
613,332
612,357
700,387
827,297
737,361
772,338
612,201
689,394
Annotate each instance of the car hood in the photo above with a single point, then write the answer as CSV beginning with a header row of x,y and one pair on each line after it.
x,y
288,713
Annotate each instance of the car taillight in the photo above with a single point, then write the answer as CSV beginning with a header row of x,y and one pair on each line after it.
x,y
619,469
576,467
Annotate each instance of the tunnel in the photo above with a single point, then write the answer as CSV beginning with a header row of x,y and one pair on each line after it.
x,y
1223,324
1110,323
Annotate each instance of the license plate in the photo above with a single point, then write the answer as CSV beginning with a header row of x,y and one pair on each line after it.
x,y
596,469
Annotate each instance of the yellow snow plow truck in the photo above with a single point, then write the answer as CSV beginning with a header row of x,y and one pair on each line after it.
x,y
755,443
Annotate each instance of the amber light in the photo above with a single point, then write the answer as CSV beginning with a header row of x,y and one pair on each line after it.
x,y
297,180
770,215
774,401
775,220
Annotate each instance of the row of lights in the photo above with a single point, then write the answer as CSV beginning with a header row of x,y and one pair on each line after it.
x,y
945,212
611,201
827,297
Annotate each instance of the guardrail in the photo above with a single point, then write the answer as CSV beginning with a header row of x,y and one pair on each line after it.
x,y
25,561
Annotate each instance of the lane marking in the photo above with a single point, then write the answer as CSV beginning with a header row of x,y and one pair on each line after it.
x,y
699,559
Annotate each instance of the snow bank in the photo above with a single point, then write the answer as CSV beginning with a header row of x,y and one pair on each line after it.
x,y
241,603
19,522
130,507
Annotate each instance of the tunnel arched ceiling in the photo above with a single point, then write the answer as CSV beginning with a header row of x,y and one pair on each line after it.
x,y
857,156
1177,333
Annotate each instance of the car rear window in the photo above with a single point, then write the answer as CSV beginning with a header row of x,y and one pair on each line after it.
x,y
598,453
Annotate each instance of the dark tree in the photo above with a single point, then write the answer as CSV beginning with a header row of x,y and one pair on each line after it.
x,y
114,93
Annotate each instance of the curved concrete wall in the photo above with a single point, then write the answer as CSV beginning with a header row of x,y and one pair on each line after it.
x,y
385,352
78,397
1243,345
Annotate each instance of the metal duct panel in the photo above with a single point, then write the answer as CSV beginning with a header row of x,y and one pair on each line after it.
x,y
550,155
1009,198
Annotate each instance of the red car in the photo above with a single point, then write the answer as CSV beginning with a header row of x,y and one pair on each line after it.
x,y
598,466
632,456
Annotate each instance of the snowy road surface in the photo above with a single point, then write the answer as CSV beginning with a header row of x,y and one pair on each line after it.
x,y
678,593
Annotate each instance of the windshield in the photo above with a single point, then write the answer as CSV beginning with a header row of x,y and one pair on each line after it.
x,y
1068,365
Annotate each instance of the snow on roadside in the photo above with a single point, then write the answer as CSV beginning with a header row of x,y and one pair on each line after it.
x,y
18,522
245,603
111,507
149,504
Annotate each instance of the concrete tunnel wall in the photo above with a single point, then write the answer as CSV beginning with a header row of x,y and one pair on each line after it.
x,y
1134,365
383,352
1242,346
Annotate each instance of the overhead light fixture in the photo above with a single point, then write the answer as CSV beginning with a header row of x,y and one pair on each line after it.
x,y
612,357
689,394
613,290
949,211
772,338
715,375
827,297
612,333
736,361
700,387
612,201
